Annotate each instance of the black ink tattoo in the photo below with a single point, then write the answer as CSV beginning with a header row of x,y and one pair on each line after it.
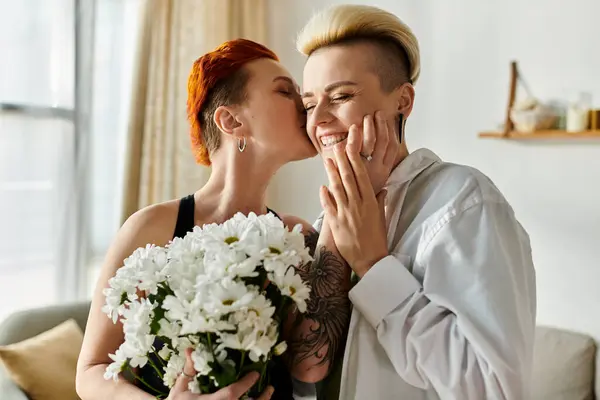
x,y
328,309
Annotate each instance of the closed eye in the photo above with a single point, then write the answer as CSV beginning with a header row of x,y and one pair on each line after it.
x,y
342,97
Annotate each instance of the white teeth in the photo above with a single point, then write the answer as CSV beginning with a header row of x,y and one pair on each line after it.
x,y
330,140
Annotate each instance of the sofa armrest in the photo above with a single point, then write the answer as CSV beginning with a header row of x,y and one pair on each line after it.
x,y
9,389
28,323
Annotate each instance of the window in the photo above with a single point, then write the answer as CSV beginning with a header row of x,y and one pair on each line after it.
x,y
62,133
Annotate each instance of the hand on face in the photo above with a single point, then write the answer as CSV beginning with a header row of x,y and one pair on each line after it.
x,y
380,141
355,214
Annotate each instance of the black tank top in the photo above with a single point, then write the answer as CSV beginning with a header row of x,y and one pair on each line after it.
x,y
185,216
280,377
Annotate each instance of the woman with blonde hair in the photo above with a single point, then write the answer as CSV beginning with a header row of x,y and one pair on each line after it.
x,y
444,295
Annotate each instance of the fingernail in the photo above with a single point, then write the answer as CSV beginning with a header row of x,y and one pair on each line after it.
x,y
337,147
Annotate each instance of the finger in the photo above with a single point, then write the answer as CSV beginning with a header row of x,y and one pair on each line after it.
x,y
362,181
345,169
355,140
236,390
335,183
266,395
370,138
393,147
382,134
181,385
188,368
327,201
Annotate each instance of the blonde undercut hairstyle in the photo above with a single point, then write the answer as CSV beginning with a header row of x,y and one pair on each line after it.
x,y
397,58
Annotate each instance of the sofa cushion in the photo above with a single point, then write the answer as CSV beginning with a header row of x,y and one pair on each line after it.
x,y
563,365
44,366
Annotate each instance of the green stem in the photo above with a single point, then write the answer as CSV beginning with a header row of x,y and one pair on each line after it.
x,y
158,371
262,376
212,350
241,365
160,360
139,378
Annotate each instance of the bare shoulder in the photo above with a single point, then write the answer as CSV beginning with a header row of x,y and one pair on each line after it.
x,y
153,224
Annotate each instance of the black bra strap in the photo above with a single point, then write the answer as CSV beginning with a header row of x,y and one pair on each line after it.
x,y
273,212
185,216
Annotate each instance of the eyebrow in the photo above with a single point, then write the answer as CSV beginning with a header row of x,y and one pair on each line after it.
x,y
288,80
331,87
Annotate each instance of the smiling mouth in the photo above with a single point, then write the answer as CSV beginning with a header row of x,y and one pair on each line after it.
x,y
332,140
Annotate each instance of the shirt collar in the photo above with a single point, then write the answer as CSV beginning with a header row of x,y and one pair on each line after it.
x,y
411,166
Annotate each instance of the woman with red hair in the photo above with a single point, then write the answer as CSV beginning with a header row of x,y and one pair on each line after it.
x,y
247,120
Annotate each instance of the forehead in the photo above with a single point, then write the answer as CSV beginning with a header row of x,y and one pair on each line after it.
x,y
265,70
338,63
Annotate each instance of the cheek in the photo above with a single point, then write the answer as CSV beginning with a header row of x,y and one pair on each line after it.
x,y
354,111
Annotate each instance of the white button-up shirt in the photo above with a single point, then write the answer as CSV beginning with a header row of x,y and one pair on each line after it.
x,y
450,314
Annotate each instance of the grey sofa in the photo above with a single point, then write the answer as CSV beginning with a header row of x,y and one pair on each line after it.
x,y
25,324
564,362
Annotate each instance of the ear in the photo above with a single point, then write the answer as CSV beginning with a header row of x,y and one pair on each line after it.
x,y
226,120
405,96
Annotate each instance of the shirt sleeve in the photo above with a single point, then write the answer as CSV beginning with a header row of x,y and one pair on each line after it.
x,y
318,224
467,331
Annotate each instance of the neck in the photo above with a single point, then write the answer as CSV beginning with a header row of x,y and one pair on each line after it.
x,y
237,183
402,154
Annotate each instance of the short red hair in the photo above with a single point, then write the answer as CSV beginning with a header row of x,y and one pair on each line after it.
x,y
206,73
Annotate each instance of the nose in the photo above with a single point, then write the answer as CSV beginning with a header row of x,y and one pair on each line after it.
x,y
320,115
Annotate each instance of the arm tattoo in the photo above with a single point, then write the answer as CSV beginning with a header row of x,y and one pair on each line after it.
x,y
328,309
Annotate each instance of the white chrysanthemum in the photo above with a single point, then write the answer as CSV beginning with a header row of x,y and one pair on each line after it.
x,y
186,263
296,242
173,369
291,285
198,322
168,328
165,353
240,340
280,348
202,358
229,263
258,315
194,386
177,309
117,366
265,340
228,296
136,326
122,289
148,264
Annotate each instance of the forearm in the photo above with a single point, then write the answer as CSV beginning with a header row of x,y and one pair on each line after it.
x,y
91,385
315,337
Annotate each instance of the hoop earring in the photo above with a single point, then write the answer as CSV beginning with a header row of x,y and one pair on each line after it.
x,y
242,146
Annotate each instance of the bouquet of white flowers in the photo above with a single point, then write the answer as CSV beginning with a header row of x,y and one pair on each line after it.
x,y
222,290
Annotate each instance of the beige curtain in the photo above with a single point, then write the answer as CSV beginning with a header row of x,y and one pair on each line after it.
x,y
159,162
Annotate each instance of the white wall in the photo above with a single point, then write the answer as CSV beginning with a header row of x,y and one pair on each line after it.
x,y
466,48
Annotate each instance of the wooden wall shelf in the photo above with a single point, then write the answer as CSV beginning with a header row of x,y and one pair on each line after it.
x,y
542,135
510,133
